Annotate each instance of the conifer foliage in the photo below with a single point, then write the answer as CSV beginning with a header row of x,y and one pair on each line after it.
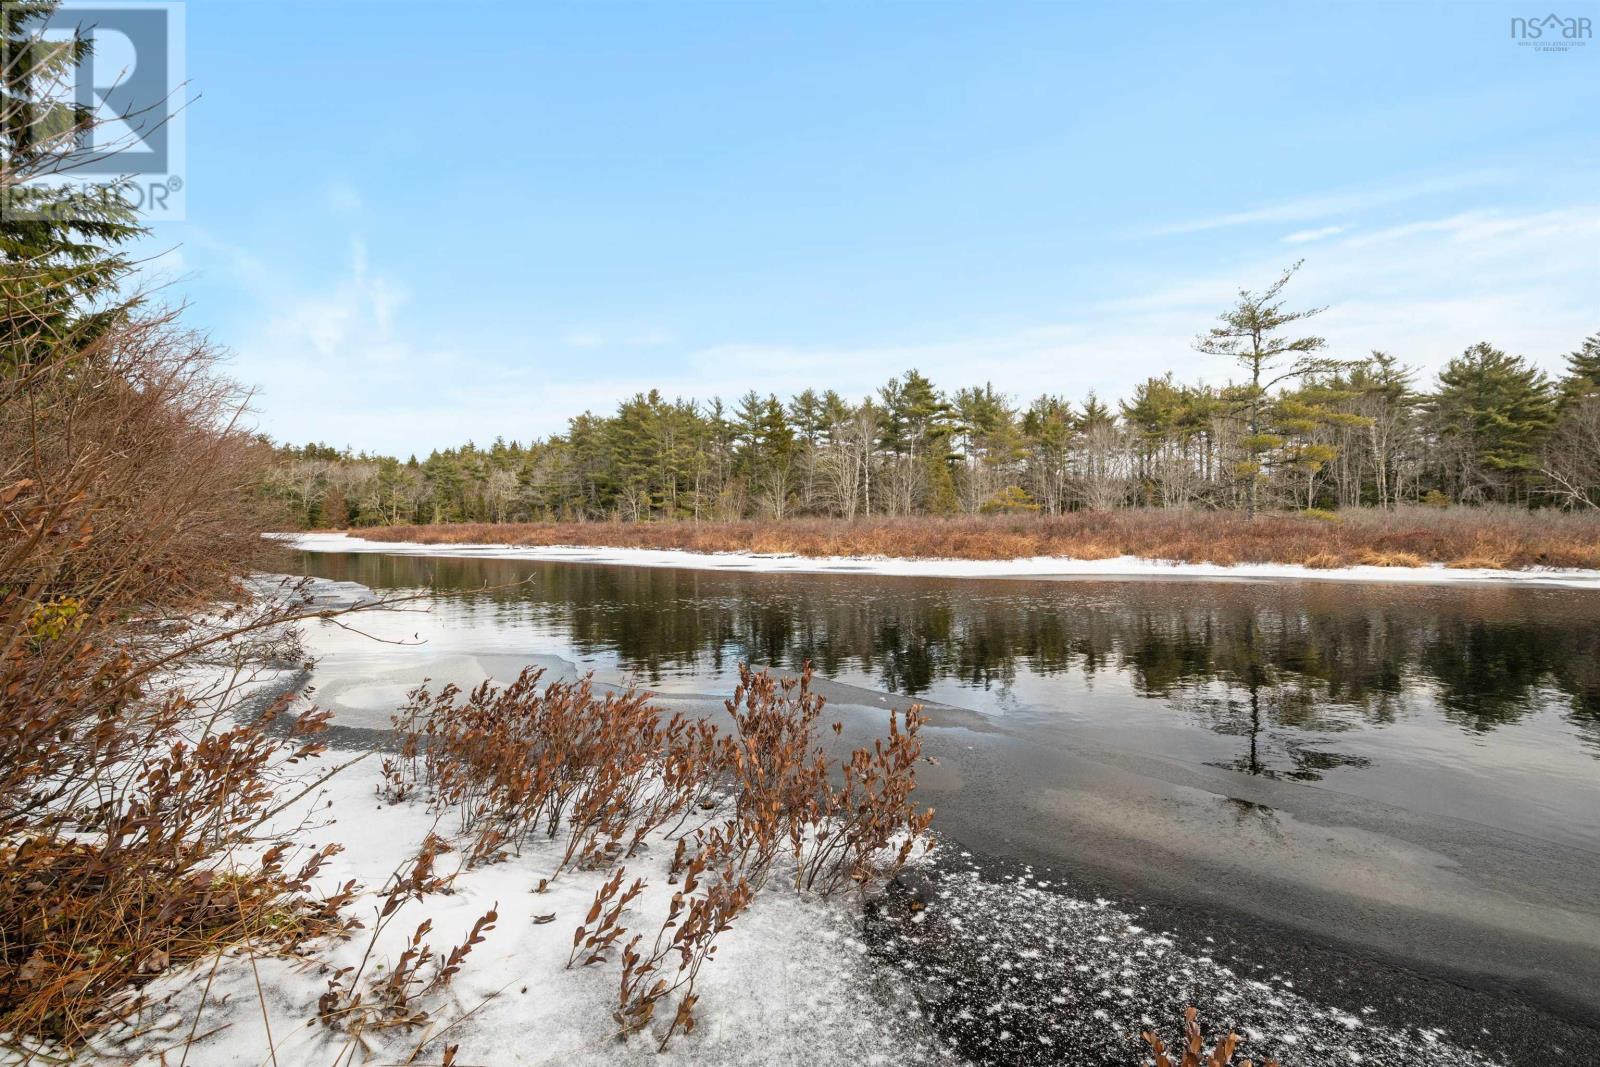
x,y
1302,430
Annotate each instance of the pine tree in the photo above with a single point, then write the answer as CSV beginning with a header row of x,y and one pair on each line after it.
x,y
1154,414
57,247
1250,333
1096,415
919,424
1048,430
1491,413
808,412
1302,421
1583,372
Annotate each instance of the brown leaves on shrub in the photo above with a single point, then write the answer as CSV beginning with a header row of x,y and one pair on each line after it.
x,y
600,774
132,819
521,761
1193,1052
356,1005
695,918
784,791
602,927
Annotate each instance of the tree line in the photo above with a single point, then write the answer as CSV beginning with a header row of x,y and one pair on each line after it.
x,y
1298,429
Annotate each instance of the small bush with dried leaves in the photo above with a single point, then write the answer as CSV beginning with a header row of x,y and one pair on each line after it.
x,y
600,775
1192,1051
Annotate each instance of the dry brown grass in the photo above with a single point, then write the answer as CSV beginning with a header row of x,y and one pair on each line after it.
x,y
1464,537
1380,558
1486,554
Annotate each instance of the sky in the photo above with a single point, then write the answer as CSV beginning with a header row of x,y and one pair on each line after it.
x,y
415,225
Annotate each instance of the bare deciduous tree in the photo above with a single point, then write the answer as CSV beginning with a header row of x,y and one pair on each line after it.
x,y
1571,459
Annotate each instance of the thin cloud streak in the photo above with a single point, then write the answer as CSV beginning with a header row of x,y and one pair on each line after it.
x,y
1302,236
1337,202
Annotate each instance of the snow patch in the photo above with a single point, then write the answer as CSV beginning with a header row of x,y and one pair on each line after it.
x,y
790,978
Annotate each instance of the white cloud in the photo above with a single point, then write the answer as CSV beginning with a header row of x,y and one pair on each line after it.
x,y
332,361
1302,236
618,338
1528,282
1335,202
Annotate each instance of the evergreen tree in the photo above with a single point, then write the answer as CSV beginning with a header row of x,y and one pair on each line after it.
x,y
57,246
1491,414
809,414
1583,372
919,425
1048,427
1251,333
836,411
1299,422
1096,415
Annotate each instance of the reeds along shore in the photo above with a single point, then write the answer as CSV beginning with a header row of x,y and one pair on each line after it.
x,y
1412,536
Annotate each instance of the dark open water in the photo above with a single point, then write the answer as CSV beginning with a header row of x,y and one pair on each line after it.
x,y
1480,701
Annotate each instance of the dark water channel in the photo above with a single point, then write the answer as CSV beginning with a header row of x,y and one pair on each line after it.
x,y
1480,701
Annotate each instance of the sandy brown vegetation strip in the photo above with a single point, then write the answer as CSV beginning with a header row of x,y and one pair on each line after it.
x,y
1459,537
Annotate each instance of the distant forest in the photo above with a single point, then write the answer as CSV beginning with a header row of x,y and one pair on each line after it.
x,y
1297,429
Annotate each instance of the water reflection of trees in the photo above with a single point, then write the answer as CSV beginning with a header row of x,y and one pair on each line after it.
x,y
1308,658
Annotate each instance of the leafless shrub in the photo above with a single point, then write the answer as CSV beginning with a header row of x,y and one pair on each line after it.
x,y
1571,460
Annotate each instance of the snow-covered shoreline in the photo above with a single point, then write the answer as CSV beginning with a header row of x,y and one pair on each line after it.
x,y
961,965
1033,567
1020,971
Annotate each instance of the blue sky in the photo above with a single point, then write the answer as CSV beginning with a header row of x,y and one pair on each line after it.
x,y
415,224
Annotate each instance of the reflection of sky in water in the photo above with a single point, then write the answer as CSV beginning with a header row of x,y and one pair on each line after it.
x,y
1486,695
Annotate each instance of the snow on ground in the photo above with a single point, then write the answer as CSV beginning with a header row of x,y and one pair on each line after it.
x,y
1014,971
1033,567
979,969
791,979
